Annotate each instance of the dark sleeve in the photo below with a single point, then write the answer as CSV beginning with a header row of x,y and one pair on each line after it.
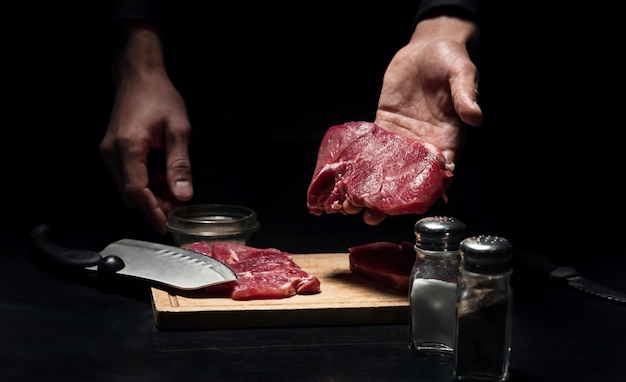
x,y
466,9
117,15
132,10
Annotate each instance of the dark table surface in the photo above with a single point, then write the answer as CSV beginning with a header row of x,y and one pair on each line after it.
x,y
59,326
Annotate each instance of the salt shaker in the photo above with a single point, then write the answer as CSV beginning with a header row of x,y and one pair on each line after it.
x,y
433,283
484,309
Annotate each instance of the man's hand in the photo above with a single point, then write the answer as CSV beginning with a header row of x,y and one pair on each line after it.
x,y
149,115
430,89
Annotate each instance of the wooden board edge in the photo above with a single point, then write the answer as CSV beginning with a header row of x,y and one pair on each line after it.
x,y
280,318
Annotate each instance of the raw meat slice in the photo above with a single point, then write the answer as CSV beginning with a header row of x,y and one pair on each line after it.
x,y
374,168
390,263
262,273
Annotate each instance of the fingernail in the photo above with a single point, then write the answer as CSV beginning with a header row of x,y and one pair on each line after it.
x,y
183,188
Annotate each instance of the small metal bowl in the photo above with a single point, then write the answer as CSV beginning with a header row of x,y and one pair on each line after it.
x,y
212,223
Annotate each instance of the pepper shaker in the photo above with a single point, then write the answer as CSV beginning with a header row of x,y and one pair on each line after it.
x,y
433,284
484,310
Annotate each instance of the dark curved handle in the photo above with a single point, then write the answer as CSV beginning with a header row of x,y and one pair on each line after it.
x,y
545,265
72,258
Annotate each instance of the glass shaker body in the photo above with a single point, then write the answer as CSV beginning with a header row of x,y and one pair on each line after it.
x,y
433,285
484,311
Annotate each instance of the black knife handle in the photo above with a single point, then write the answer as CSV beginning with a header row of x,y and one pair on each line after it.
x,y
66,257
544,265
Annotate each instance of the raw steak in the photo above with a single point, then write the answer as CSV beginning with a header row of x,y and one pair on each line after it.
x,y
389,263
374,168
262,273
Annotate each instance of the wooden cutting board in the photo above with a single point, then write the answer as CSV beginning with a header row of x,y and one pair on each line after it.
x,y
346,298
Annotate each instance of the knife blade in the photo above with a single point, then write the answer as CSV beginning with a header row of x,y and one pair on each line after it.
x,y
163,264
568,274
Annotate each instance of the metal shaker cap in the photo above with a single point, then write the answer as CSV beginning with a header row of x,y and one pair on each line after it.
x,y
439,233
486,253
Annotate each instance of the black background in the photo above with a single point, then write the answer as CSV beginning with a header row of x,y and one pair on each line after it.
x,y
543,170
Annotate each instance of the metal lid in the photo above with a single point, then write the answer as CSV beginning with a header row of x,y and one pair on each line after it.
x,y
439,233
486,253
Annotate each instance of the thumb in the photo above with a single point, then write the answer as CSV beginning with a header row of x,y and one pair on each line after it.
x,y
179,171
464,88
468,108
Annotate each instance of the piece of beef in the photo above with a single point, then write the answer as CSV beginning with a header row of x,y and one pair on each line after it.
x,y
389,263
262,273
374,168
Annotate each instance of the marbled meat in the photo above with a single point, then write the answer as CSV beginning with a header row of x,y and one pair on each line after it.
x,y
371,167
262,273
389,263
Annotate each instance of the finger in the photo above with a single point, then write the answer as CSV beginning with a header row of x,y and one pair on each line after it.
x,y
152,210
350,208
136,185
141,197
464,88
179,166
165,202
372,217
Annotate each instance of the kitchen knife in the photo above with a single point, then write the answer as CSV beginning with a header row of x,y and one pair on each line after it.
x,y
164,264
570,275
